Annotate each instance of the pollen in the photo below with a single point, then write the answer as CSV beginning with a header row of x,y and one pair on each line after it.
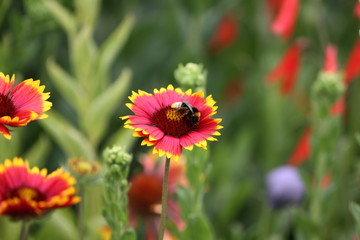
x,y
172,122
173,115
26,193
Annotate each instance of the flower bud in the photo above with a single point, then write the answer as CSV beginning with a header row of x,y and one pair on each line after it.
x,y
191,75
327,89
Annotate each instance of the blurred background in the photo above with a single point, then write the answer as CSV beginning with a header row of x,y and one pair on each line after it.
x,y
261,58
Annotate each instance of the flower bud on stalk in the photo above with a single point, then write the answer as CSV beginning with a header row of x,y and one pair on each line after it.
x,y
117,162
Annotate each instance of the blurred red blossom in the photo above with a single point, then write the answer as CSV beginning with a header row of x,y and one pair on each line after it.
x,y
287,69
302,150
331,66
352,67
330,63
357,9
339,107
285,13
233,91
144,195
325,181
225,33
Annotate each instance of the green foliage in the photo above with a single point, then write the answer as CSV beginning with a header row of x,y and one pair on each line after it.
x,y
90,54
117,162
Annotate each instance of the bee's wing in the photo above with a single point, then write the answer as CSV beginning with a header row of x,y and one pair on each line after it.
x,y
188,104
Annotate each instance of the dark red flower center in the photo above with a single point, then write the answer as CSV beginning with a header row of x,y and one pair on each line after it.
x,y
145,194
173,122
7,107
27,193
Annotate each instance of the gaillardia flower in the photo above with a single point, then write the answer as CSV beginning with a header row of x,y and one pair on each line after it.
x,y
21,104
27,193
171,120
144,195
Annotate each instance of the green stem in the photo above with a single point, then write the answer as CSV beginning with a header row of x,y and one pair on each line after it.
x,y
164,199
80,213
24,230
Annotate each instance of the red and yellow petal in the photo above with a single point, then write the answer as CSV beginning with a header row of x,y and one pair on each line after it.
x,y
6,83
30,96
5,132
46,191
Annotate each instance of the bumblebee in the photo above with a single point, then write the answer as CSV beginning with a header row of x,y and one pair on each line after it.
x,y
190,112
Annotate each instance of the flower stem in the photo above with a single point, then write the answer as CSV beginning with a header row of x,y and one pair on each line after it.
x,y
164,199
24,230
80,213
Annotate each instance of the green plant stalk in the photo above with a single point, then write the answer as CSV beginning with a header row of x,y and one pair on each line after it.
x,y
24,230
80,214
315,207
164,199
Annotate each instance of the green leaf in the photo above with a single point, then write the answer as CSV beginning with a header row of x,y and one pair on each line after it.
x,y
122,137
11,148
58,225
4,6
129,234
87,11
62,16
98,114
83,54
36,154
355,210
73,142
198,228
113,45
66,84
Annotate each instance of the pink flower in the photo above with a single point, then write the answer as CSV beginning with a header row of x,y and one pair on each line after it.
x,y
145,195
286,12
286,71
167,122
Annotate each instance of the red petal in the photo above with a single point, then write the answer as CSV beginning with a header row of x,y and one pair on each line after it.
x,y
287,69
339,107
357,10
330,64
352,68
284,23
302,150
225,33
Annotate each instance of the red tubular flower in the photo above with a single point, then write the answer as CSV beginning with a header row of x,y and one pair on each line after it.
x,y
357,10
330,64
27,193
21,104
232,92
339,107
287,69
145,195
302,150
225,34
286,13
352,67
171,120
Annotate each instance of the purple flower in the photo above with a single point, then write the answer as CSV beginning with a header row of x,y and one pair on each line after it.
x,y
284,187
